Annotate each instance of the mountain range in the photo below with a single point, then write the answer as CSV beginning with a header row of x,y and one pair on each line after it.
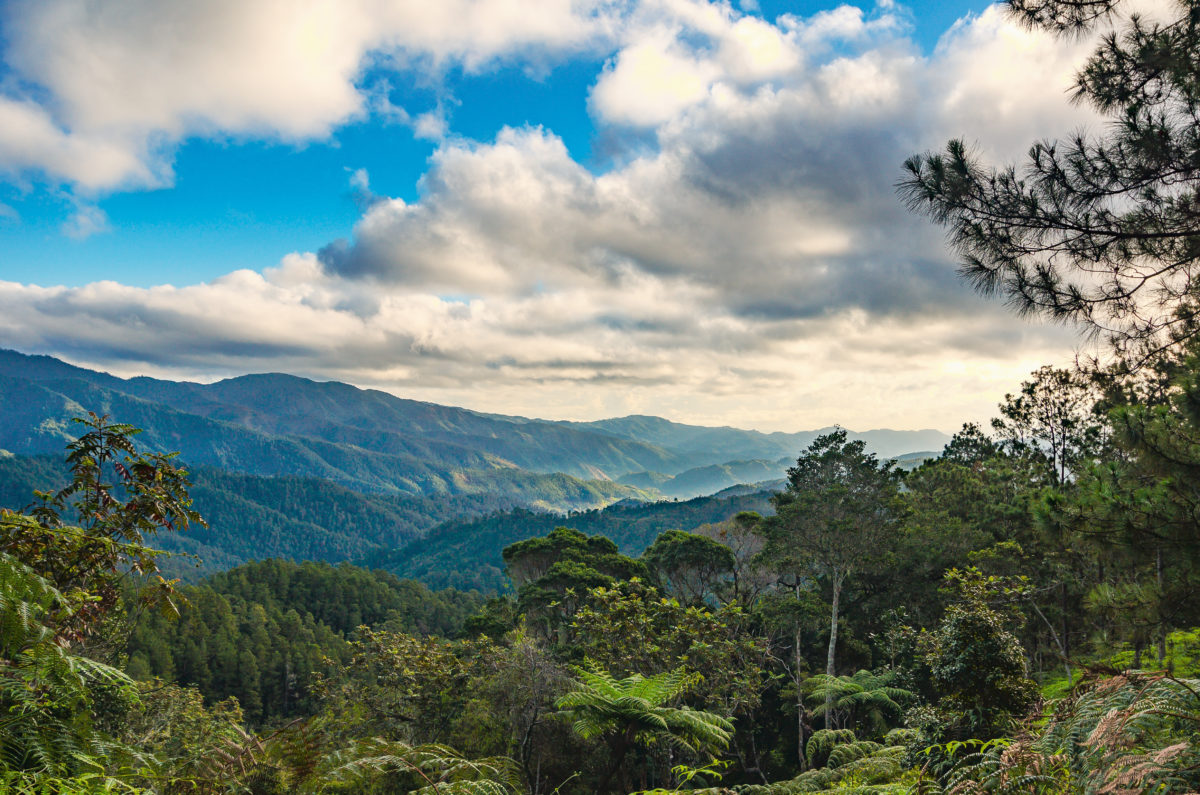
x,y
284,466
375,442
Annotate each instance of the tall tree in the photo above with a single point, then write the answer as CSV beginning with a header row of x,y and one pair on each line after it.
x,y
834,518
691,567
1104,230
1054,418
1139,507
553,574
60,582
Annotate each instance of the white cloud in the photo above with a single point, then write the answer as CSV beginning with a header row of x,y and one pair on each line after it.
x,y
30,141
756,264
86,220
650,82
645,344
118,83
1006,85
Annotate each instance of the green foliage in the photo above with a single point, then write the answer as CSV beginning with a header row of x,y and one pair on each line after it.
x,y
691,567
403,687
977,665
47,691
636,711
252,517
839,504
59,584
16,783
1136,733
865,700
1138,507
823,742
1128,734
973,496
842,763
263,632
1054,420
466,554
434,769
119,496
1097,230
304,677
184,739
345,597
630,628
835,518
554,575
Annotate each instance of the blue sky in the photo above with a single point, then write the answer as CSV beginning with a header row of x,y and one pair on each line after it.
x,y
245,202
507,208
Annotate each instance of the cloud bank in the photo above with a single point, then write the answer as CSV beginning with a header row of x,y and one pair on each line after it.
x,y
752,266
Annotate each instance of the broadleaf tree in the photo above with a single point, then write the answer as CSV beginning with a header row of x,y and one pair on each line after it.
x,y
835,517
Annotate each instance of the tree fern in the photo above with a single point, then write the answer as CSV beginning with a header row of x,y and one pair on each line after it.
x,y
45,689
636,711
438,769
865,700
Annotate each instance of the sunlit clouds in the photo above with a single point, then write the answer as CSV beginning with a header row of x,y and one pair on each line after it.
x,y
740,259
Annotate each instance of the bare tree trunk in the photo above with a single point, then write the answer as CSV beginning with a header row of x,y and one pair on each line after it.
x,y
1062,649
1066,629
758,760
830,667
619,746
1162,625
798,663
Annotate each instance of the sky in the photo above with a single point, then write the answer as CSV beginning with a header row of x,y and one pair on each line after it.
x,y
561,209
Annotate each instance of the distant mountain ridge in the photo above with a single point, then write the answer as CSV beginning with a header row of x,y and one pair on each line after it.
x,y
372,441
726,444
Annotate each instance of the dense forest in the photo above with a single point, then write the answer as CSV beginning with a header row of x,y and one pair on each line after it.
x,y
1020,614
466,553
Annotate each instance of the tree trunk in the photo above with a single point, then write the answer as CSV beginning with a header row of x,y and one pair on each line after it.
x,y
1062,649
1162,624
619,747
798,662
830,667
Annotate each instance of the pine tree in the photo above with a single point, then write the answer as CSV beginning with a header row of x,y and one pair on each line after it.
x,y
1102,229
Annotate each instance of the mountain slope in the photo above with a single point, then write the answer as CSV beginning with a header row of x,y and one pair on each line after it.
x,y
370,441
465,554
275,405
252,517
709,445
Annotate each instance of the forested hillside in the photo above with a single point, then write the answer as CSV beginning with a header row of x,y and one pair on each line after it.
x,y
465,554
251,517
867,628
266,632
368,440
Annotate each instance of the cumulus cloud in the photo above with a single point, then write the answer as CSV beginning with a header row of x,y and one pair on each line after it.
x,y
776,197
755,264
104,90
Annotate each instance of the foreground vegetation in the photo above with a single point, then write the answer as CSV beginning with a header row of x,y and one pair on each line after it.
x,y
1016,614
